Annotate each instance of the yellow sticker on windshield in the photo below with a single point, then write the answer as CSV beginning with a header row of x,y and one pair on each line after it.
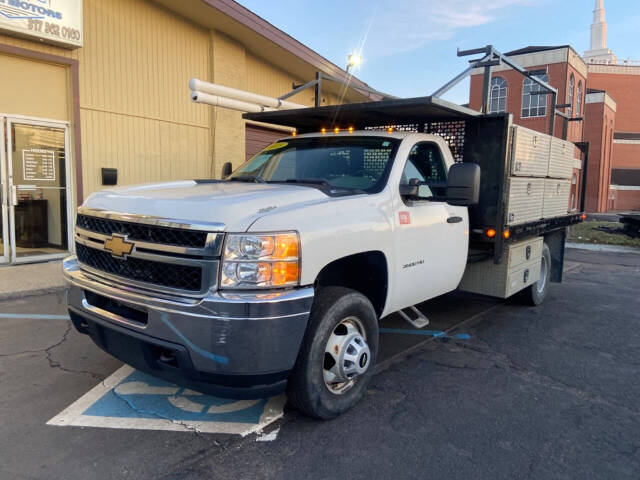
x,y
275,146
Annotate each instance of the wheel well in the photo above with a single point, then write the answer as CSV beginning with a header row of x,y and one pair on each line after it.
x,y
364,272
555,240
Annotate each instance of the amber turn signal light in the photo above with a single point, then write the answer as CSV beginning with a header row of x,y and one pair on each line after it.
x,y
491,233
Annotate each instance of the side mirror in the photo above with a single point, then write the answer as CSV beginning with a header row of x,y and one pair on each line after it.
x,y
463,185
411,189
227,169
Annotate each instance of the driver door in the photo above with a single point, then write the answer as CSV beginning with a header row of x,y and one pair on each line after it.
x,y
431,237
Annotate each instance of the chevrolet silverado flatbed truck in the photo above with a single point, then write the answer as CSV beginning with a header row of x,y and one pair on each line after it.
x,y
275,277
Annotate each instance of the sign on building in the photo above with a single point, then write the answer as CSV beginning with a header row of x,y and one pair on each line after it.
x,y
52,21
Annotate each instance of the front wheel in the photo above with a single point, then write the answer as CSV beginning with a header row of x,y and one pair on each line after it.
x,y
335,363
535,294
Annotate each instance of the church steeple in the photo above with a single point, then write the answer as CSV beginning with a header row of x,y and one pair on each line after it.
x,y
599,27
599,52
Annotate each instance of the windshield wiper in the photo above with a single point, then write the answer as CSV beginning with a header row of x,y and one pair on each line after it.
x,y
246,178
324,183
312,181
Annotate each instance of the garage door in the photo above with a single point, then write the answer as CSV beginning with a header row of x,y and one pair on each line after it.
x,y
257,138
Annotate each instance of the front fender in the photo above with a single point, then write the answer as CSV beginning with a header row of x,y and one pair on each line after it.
x,y
335,229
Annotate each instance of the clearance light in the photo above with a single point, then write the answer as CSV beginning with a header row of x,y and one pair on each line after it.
x,y
583,217
294,133
323,130
491,233
350,129
506,234
336,130
390,130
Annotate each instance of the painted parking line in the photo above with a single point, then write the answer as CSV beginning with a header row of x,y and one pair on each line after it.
x,y
130,399
34,316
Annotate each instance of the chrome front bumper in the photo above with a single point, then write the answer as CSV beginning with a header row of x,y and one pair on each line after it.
x,y
232,344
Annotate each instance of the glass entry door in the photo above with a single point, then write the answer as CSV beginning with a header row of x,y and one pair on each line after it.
x,y
4,197
39,198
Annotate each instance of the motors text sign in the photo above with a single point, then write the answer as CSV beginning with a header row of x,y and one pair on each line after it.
x,y
52,21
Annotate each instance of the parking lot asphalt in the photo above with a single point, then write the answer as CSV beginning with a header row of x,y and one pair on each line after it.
x,y
547,392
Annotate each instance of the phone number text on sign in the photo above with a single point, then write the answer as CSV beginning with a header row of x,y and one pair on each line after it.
x,y
54,29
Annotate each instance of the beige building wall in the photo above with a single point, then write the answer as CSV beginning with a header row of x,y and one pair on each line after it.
x,y
135,112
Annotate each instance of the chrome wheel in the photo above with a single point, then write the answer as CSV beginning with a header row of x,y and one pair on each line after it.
x,y
346,356
541,284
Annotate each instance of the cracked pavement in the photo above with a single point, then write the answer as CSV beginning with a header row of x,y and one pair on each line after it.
x,y
536,393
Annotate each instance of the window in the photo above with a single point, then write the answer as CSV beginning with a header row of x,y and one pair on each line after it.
x,y
425,164
498,95
356,163
572,84
579,100
534,105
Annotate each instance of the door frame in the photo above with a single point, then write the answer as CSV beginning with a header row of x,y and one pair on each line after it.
x,y
12,201
4,197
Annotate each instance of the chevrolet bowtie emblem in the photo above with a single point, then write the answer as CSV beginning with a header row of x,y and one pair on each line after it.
x,y
118,246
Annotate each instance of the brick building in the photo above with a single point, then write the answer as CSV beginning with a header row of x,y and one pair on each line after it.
x,y
604,109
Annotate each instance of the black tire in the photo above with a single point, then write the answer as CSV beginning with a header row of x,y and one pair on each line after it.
x,y
306,388
535,294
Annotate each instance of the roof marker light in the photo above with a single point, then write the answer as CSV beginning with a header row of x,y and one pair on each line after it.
x,y
390,130
323,130
350,129
336,130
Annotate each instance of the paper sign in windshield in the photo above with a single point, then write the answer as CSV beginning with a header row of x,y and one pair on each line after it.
x,y
275,146
39,165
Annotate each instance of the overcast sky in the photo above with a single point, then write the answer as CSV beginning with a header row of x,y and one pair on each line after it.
x,y
409,46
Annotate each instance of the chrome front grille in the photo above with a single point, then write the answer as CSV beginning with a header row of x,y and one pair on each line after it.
x,y
181,277
145,233
169,256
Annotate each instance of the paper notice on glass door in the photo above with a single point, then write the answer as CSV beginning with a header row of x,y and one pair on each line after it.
x,y
39,164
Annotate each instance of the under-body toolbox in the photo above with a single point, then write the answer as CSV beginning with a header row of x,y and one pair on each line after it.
x,y
519,269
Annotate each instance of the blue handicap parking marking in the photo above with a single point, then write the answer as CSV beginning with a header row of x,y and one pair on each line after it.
x,y
427,333
132,399
142,396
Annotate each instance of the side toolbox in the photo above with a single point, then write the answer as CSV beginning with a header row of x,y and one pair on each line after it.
x,y
525,200
561,160
530,153
556,197
520,268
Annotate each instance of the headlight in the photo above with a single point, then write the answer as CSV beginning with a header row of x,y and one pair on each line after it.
x,y
261,261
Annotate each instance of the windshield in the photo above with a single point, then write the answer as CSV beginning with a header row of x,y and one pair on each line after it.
x,y
358,163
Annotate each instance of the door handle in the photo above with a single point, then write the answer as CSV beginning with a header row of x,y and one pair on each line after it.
x,y
454,219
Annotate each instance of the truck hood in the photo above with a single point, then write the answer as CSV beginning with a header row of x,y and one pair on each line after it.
x,y
237,205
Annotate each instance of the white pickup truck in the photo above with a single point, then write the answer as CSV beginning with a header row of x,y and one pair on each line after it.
x,y
276,276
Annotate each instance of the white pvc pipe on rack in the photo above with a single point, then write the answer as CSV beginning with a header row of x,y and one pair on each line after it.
x,y
243,96
230,103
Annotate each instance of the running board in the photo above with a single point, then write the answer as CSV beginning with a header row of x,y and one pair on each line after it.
x,y
414,317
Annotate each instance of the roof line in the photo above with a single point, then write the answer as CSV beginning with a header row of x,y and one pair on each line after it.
x,y
259,25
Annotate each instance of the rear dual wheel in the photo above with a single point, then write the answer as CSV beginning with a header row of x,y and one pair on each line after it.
x,y
535,294
335,363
